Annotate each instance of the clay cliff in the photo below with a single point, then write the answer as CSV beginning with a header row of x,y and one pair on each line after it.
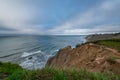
x,y
88,56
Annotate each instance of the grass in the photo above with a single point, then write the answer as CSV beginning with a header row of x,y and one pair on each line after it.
x,y
112,43
15,72
112,59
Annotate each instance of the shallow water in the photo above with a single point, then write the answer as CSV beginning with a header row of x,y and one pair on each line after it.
x,y
32,52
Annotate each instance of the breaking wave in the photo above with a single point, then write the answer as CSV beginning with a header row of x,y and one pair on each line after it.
x,y
35,60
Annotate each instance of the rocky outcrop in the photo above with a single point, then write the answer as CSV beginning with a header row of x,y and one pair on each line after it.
x,y
96,37
88,56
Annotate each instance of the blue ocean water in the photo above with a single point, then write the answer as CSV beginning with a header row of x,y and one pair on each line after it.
x,y
32,52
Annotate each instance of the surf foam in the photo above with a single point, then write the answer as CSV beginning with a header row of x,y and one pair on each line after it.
x,y
25,54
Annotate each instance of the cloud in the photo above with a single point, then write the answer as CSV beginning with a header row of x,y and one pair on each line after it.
x,y
97,29
16,15
6,29
105,13
47,17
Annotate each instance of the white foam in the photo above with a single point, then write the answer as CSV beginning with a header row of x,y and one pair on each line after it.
x,y
25,54
56,50
33,63
36,61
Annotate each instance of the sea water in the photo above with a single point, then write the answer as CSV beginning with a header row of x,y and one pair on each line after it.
x,y
32,52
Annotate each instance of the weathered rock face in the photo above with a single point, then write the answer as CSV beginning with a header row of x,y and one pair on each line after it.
x,y
88,56
96,37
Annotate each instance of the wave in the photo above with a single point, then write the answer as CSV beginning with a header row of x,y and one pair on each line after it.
x,y
56,50
34,61
25,54
9,55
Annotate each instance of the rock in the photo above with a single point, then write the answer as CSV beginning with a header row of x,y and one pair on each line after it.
x,y
61,57
92,57
30,58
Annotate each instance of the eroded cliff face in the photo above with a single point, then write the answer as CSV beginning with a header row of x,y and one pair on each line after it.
x,y
88,56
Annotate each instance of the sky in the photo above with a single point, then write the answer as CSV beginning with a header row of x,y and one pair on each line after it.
x,y
59,17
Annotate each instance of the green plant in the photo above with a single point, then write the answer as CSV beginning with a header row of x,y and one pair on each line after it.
x,y
59,75
112,59
15,72
78,45
112,43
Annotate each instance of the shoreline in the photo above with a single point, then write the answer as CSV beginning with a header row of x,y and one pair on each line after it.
x,y
92,59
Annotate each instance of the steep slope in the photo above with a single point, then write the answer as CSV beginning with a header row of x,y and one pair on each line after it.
x,y
89,56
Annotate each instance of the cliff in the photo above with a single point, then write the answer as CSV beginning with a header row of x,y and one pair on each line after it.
x,y
96,37
92,57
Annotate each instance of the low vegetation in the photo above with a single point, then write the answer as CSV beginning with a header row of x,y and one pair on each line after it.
x,y
78,45
10,71
112,43
112,59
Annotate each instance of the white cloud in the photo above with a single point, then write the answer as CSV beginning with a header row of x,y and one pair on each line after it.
x,y
18,15
15,14
97,29
80,24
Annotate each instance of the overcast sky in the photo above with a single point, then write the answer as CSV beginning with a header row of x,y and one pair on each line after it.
x,y
71,17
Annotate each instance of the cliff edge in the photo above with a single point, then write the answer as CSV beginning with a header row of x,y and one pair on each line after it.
x,y
88,56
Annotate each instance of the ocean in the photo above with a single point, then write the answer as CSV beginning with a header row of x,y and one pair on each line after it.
x,y
32,52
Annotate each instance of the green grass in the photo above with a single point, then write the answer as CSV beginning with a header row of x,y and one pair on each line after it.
x,y
112,59
112,43
15,72
7,69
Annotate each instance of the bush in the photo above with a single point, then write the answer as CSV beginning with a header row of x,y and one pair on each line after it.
x,y
78,45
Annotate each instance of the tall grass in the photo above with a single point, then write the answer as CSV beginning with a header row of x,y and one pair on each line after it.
x,y
15,72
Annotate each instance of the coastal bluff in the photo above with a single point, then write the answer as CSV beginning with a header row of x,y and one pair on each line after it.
x,y
96,37
90,56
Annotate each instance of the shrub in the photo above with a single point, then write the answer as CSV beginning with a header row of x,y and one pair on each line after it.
x,y
78,45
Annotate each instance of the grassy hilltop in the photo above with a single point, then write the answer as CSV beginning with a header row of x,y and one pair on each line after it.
x,y
112,43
